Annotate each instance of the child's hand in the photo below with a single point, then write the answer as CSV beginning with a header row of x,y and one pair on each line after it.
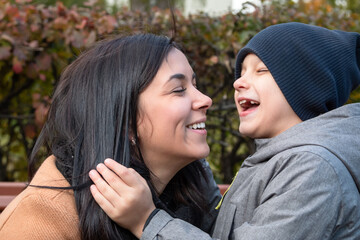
x,y
124,195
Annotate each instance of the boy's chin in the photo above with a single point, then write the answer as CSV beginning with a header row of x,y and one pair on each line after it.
x,y
251,134
246,132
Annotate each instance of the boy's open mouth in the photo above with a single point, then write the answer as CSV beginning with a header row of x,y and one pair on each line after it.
x,y
247,104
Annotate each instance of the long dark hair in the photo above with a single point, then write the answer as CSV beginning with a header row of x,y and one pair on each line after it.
x,y
93,114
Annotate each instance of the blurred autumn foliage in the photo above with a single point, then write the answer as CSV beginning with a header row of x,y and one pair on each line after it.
x,y
38,41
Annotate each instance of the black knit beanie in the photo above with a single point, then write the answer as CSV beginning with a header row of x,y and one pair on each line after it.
x,y
315,68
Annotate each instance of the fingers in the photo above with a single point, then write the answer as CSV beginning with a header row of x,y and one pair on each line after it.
x,y
109,192
115,181
128,175
115,166
102,196
123,194
101,200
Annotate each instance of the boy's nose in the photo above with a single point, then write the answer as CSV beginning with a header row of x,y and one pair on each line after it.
x,y
240,83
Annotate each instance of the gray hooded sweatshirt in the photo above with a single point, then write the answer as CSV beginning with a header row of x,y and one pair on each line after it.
x,y
301,184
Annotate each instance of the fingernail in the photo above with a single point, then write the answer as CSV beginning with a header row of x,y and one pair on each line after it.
x,y
92,173
107,161
100,166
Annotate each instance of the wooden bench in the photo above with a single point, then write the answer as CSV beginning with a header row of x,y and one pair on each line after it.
x,y
223,188
9,190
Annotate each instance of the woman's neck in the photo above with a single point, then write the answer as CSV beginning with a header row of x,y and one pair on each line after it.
x,y
163,171
160,177
163,168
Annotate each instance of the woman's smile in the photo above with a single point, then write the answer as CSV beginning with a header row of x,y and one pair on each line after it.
x,y
172,125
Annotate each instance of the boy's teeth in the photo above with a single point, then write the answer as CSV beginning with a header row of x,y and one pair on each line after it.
x,y
197,126
245,103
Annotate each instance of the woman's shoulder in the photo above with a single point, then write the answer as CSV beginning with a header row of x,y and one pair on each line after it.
x,y
51,211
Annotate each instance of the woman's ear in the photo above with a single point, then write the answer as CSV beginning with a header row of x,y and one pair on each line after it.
x,y
132,136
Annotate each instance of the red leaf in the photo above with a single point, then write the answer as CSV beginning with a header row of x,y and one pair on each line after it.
x,y
60,23
90,39
41,105
7,38
35,99
12,11
61,9
31,71
42,77
5,52
20,53
34,44
40,114
17,66
43,61
34,27
1,14
90,3
82,24
77,39
30,131
23,1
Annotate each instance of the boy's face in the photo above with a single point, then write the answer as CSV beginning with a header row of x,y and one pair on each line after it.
x,y
262,107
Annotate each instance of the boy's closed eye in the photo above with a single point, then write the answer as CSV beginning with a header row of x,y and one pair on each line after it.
x,y
262,69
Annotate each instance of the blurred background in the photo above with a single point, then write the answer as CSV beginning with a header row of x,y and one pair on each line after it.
x,y
38,38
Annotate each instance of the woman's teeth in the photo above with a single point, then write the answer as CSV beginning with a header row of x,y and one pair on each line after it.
x,y
197,126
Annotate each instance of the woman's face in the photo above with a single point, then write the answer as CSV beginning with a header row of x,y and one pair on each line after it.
x,y
172,115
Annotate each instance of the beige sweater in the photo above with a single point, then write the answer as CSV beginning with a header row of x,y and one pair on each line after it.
x,y
38,213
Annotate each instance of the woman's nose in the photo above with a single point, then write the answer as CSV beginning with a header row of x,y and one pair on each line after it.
x,y
202,101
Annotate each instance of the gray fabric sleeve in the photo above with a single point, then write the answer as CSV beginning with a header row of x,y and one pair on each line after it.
x,y
302,201
213,197
163,226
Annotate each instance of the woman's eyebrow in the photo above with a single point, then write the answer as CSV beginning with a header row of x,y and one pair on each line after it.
x,y
179,76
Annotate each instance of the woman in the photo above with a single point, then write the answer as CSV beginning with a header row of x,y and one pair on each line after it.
x,y
133,99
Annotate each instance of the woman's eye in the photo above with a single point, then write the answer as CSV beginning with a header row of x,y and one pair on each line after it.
x,y
179,90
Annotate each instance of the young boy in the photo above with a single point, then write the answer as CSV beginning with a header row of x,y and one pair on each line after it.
x,y
303,180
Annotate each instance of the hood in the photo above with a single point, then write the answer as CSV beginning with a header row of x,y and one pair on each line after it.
x,y
338,131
